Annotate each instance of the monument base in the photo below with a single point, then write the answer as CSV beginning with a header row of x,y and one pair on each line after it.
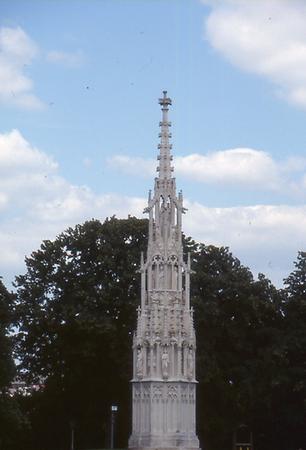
x,y
182,443
164,448
164,416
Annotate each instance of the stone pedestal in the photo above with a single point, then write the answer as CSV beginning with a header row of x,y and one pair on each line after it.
x,y
164,415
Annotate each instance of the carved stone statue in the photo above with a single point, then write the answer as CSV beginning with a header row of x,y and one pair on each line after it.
x,y
161,280
139,363
165,364
190,364
154,361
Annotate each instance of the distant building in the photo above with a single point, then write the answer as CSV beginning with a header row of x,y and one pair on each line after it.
x,y
21,388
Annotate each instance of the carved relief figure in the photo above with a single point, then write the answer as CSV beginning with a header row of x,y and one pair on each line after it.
x,y
154,360
139,363
190,364
165,364
161,280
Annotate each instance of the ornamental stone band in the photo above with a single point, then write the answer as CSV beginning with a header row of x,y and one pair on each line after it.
x,y
164,383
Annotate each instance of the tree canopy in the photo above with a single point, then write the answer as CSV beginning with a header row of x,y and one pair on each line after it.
x,y
237,323
11,419
75,309
6,361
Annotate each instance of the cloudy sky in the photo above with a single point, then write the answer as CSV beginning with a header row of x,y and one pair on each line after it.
x,y
79,83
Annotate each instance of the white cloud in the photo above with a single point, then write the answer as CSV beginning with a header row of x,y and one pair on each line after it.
x,y
16,44
264,37
245,167
16,154
250,226
17,51
235,166
69,59
265,238
133,165
37,203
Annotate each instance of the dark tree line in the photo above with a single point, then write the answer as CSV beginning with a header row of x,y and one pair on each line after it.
x,y
12,421
74,312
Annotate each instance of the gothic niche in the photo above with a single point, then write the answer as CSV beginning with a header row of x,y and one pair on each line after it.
x,y
158,273
165,276
173,272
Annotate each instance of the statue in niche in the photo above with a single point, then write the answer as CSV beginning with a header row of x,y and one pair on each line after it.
x,y
139,363
190,364
149,362
165,364
161,277
175,275
154,360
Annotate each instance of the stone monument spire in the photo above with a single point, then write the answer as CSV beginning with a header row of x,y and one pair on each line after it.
x,y
164,157
164,342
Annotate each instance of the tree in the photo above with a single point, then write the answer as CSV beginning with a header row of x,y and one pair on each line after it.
x,y
76,311
11,420
6,360
76,308
237,322
294,383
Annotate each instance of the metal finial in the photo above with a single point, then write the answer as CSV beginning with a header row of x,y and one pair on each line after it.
x,y
165,101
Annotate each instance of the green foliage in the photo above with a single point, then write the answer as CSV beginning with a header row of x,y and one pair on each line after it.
x,y
237,322
6,361
15,426
292,401
11,419
76,311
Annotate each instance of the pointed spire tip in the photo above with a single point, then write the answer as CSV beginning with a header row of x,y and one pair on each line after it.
x,y
165,101
164,168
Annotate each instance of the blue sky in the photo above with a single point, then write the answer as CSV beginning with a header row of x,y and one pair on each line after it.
x,y
79,83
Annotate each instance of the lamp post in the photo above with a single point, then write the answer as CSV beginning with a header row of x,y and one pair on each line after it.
x,y
72,427
114,409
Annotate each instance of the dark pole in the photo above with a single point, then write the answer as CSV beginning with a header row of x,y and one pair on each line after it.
x,y
114,409
72,438
72,426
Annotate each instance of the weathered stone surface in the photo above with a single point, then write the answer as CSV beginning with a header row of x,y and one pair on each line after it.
x,y
164,384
